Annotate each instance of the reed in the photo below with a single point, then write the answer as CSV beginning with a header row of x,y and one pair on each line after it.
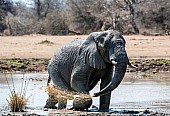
x,y
17,100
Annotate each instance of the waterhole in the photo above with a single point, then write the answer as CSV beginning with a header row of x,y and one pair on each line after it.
x,y
137,91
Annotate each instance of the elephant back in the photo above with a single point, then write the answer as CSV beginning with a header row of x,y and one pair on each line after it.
x,y
64,57
68,51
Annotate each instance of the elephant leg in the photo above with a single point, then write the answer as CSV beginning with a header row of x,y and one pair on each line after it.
x,y
93,84
105,99
61,84
59,81
51,102
105,102
62,103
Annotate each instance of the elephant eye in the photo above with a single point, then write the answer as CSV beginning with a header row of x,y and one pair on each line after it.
x,y
106,45
119,43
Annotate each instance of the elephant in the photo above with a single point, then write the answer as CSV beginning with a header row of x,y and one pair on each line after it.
x,y
81,64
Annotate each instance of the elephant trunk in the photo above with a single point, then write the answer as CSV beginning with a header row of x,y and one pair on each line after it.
x,y
112,57
120,69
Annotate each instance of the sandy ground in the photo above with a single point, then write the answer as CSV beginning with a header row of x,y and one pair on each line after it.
x,y
31,46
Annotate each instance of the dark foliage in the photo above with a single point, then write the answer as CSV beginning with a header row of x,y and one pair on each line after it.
x,y
62,17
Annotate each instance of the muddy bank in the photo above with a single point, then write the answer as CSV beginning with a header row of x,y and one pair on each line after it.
x,y
18,65
150,65
86,113
40,65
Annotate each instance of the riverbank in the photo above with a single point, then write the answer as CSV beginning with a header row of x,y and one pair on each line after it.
x,y
33,65
114,112
31,53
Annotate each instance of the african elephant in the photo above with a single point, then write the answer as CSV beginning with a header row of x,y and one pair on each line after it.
x,y
80,65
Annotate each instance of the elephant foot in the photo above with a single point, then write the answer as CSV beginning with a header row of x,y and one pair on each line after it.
x,y
62,103
50,104
104,108
82,103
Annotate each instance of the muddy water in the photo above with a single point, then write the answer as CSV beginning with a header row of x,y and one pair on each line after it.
x,y
137,91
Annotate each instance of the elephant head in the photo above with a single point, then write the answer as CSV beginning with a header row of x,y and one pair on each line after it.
x,y
106,48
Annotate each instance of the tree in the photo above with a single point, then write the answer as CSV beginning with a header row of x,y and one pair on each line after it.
x,y
42,7
130,6
90,15
86,15
51,17
5,7
154,15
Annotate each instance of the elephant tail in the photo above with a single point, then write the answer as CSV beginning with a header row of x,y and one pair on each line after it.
x,y
49,80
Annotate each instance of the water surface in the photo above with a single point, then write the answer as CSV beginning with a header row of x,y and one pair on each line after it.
x,y
137,91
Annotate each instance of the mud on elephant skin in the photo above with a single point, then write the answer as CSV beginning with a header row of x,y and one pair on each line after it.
x,y
79,65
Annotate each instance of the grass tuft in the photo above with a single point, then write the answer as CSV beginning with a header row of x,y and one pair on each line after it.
x,y
46,42
17,100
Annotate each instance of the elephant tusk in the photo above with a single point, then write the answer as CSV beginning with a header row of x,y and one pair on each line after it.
x,y
114,62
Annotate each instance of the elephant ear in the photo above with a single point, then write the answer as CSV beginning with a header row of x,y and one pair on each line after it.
x,y
90,54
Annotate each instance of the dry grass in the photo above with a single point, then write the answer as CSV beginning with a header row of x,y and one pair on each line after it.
x,y
81,101
46,42
17,102
59,94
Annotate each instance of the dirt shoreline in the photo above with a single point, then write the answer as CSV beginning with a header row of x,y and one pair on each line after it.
x,y
31,53
87,113
33,65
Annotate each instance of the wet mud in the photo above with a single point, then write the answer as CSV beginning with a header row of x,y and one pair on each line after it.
x,y
150,65
17,65
112,112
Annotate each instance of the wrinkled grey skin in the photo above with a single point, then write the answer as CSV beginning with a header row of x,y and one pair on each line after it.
x,y
79,65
